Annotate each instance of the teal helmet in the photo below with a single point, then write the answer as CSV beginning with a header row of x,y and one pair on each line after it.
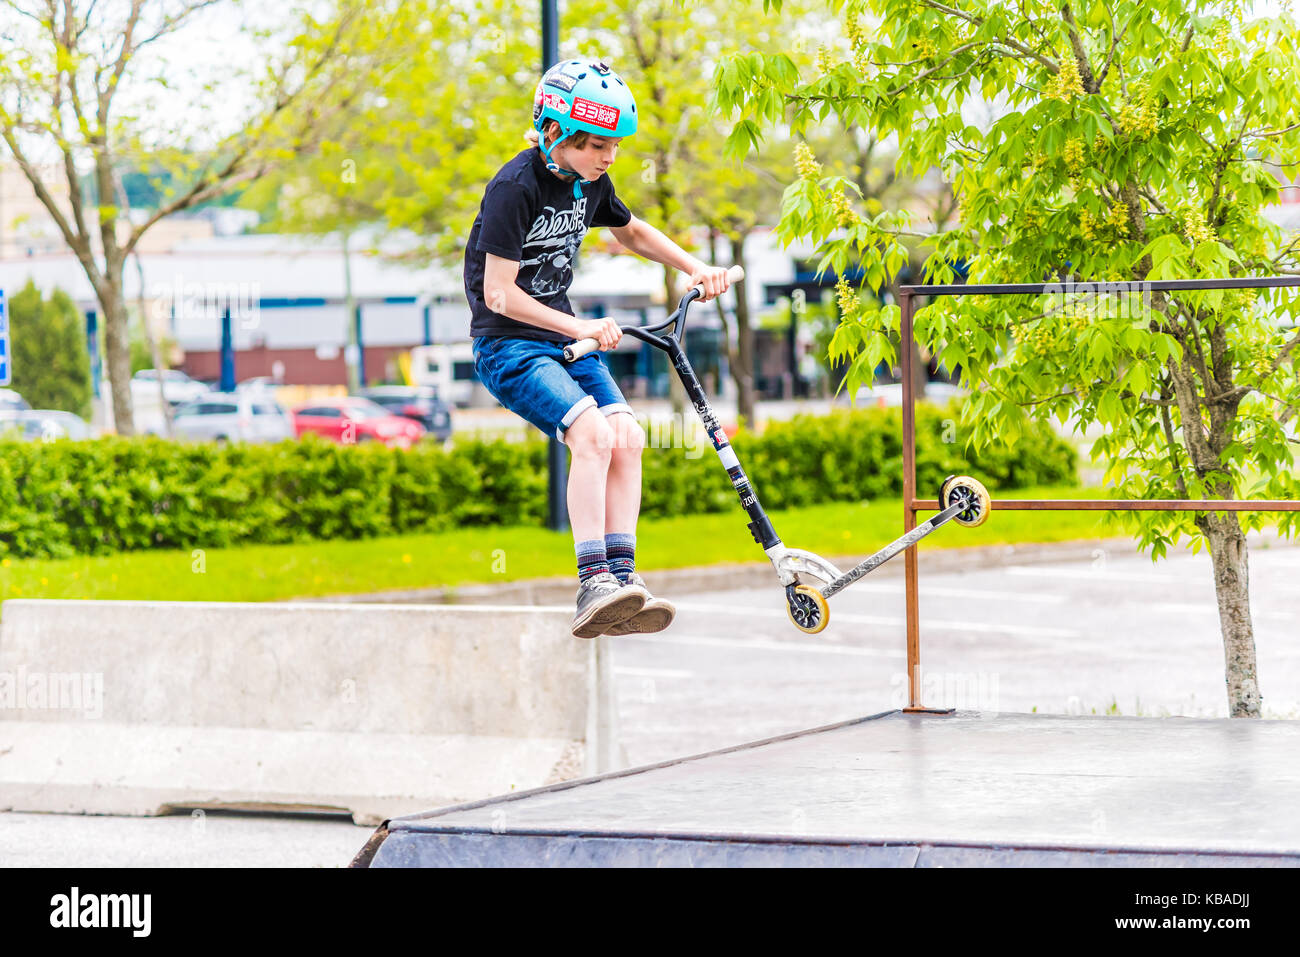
x,y
581,95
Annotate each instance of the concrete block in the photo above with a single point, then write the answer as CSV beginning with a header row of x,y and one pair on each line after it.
x,y
138,708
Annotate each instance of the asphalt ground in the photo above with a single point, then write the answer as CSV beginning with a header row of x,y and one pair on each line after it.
x,y
1107,633
1100,629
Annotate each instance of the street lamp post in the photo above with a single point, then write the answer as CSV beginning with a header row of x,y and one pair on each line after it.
x,y
557,459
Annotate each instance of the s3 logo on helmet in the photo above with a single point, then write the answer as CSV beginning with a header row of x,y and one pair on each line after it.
x,y
606,116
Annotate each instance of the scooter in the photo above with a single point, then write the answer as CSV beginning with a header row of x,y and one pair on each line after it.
x,y
963,500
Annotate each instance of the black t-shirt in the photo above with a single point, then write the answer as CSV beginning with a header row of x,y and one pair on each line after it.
x,y
530,216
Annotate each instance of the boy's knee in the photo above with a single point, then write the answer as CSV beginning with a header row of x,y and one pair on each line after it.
x,y
629,439
590,436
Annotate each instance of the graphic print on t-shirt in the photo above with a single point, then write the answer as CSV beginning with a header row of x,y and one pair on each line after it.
x,y
551,245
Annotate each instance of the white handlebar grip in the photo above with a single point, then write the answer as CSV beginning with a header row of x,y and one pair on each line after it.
x,y
580,349
735,274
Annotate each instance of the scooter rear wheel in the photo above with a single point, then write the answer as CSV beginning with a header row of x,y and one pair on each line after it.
x,y
807,609
972,493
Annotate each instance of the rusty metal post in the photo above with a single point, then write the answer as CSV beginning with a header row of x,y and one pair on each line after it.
x,y
909,497
906,307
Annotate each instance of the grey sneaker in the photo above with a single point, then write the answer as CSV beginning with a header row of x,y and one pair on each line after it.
x,y
656,615
604,601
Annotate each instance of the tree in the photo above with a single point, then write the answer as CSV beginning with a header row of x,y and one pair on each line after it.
x,y
1127,141
51,368
64,69
432,131
861,157
666,54
376,172
439,129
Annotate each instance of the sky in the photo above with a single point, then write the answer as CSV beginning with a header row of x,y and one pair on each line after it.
x,y
204,62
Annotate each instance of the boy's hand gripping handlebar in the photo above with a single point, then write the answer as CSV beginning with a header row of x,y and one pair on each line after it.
x,y
583,346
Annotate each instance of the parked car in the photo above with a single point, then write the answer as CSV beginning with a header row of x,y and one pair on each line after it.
x,y
233,416
420,403
354,419
261,383
43,425
9,399
178,388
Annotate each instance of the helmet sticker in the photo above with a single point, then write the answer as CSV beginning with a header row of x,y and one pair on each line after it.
x,y
560,80
554,102
596,114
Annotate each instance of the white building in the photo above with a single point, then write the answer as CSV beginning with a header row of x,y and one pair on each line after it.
x,y
286,296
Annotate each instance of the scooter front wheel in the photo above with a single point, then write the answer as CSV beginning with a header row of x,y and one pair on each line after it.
x,y
807,608
970,492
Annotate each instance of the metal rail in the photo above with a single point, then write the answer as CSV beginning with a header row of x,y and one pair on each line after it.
x,y
912,505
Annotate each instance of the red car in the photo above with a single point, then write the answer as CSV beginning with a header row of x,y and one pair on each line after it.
x,y
352,420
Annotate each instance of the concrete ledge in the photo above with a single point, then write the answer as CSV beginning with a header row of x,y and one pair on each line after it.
x,y
98,768
371,709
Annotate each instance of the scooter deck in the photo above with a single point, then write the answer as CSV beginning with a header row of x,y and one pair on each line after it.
x,y
893,548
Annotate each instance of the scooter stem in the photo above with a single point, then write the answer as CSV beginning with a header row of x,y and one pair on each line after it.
x,y
760,526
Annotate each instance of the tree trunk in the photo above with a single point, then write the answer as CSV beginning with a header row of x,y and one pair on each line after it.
x,y
1206,445
350,311
742,369
117,352
155,352
1231,560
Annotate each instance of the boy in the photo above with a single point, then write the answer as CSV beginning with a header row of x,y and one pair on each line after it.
x,y
518,268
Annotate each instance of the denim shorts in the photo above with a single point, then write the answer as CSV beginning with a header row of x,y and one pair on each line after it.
x,y
530,378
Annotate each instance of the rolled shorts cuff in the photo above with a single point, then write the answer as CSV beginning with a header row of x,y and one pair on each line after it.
x,y
575,410
615,407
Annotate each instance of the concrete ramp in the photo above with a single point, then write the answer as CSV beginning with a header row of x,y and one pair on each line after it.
x,y
900,790
138,708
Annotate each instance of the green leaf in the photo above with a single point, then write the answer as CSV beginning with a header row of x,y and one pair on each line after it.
x,y
1109,408
1137,379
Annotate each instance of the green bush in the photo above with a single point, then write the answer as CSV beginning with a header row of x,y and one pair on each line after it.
x,y
51,367
849,455
65,498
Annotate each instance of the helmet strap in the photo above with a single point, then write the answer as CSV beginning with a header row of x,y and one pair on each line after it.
x,y
578,181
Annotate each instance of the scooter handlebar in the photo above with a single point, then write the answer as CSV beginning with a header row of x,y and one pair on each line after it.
x,y
580,348
585,346
734,275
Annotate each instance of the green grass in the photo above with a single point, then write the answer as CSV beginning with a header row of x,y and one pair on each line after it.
x,y
470,556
